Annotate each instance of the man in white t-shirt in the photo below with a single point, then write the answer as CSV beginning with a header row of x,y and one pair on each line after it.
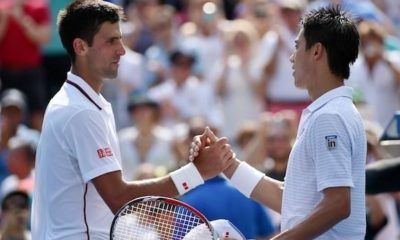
x,y
78,175
323,195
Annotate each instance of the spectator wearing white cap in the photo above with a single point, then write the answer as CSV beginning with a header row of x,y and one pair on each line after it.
x,y
13,111
145,141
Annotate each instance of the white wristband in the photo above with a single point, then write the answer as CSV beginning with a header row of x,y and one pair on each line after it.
x,y
186,178
245,178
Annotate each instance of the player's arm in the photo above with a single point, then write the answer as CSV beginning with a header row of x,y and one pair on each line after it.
x,y
267,191
247,180
334,207
116,192
38,33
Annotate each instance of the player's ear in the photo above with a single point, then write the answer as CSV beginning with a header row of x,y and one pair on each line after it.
x,y
80,46
318,50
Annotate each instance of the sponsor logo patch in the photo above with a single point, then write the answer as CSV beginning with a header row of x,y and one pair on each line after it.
x,y
104,152
331,142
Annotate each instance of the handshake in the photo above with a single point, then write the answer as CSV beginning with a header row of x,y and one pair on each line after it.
x,y
210,156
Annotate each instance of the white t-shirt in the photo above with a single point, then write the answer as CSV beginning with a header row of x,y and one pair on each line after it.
x,y
379,86
159,154
330,151
193,99
78,143
281,87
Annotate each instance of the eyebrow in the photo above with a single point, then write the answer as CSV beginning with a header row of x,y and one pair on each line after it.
x,y
113,38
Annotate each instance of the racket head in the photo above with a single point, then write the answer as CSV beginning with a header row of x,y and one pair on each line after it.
x,y
160,218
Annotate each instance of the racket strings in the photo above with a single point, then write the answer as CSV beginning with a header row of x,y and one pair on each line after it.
x,y
156,220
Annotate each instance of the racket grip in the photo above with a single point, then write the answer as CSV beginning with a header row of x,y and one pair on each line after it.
x,y
186,178
245,178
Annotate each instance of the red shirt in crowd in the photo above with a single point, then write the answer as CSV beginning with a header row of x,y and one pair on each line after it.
x,y
17,50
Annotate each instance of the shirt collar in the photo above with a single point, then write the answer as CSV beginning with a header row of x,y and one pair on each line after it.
x,y
343,91
97,99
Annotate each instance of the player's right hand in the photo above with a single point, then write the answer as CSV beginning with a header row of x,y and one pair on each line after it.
x,y
210,154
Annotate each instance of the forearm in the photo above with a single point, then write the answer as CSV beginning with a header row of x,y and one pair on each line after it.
x,y
116,192
267,191
163,186
327,214
38,34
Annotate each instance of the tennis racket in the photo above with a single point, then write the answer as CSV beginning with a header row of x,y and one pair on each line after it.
x,y
160,218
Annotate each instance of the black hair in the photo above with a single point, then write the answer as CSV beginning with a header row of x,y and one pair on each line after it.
x,y
15,198
337,32
178,56
82,19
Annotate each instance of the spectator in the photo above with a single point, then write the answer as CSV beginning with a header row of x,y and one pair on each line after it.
x,y
15,208
13,109
375,72
166,41
24,29
20,163
140,13
279,142
203,36
277,45
238,83
145,141
185,96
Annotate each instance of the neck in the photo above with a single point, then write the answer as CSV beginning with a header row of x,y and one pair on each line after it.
x,y
145,129
324,83
94,82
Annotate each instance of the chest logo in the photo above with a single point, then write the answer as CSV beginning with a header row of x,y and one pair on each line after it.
x,y
331,142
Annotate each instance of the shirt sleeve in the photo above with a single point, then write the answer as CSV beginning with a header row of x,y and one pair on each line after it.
x,y
331,152
88,135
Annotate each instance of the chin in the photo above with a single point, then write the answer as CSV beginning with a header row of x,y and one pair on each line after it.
x,y
111,75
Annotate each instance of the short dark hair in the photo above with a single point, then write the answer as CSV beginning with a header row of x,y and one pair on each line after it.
x,y
337,32
82,19
15,199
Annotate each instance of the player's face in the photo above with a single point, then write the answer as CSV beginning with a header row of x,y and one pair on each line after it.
x,y
106,51
301,62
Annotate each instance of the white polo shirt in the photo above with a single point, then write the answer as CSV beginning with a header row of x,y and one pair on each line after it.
x,y
330,151
78,143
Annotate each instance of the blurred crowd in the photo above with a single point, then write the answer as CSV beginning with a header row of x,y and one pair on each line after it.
x,y
191,64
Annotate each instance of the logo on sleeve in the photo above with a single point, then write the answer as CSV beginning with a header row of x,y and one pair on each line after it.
x,y
104,152
331,142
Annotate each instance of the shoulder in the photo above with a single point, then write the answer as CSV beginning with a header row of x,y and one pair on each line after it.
x,y
163,133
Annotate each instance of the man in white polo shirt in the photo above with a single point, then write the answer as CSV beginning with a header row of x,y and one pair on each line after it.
x,y
323,195
78,175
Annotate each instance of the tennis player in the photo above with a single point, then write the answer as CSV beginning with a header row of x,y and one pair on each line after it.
x,y
323,196
78,175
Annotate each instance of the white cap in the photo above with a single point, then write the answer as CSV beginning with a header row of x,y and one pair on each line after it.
x,y
224,229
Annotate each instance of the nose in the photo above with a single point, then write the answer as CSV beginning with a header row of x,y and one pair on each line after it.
x,y
121,49
291,59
